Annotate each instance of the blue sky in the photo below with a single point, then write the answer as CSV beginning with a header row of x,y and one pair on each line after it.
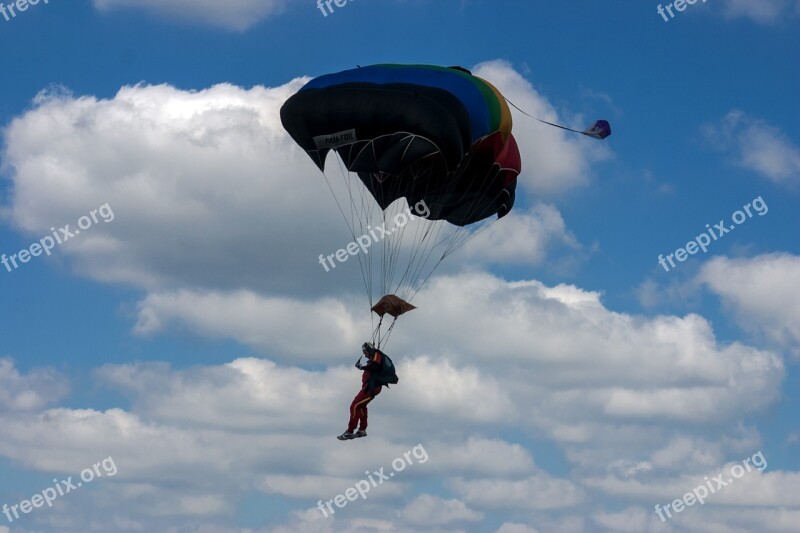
x,y
558,377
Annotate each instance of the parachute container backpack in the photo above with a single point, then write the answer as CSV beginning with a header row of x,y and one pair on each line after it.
x,y
387,375
426,161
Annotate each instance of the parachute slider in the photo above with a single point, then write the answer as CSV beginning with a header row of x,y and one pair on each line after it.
x,y
392,305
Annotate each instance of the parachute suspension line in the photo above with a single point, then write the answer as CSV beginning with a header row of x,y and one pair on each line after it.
x,y
426,243
449,250
420,251
392,247
365,264
446,253
389,332
469,238
376,334
462,236
414,264
399,238
436,242
350,228
377,338
366,272
367,214
424,251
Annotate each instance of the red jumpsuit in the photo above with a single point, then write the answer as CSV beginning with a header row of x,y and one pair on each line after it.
x,y
358,409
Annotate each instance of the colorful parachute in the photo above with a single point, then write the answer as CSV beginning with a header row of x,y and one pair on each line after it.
x,y
435,138
419,132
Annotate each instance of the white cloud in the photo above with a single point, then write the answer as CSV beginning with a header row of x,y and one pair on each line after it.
x,y
237,15
730,519
32,391
549,332
752,488
196,439
262,392
525,239
309,487
509,527
576,359
482,456
430,510
763,292
630,520
205,186
539,491
757,146
258,321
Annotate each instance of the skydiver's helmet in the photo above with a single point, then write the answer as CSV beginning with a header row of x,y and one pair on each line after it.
x,y
368,349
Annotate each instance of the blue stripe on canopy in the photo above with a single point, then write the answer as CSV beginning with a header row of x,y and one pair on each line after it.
x,y
459,84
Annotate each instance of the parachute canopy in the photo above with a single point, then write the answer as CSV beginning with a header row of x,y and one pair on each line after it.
x,y
426,133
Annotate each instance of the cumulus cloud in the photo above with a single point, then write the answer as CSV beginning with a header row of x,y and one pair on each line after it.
x,y
309,487
756,145
526,238
258,321
630,520
557,327
573,354
198,181
594,380
430,510
742,483
237,15
510,527
539,491
196,439
32,391
763,293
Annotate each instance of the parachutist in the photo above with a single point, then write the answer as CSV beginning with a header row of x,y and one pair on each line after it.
x,y
378,371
